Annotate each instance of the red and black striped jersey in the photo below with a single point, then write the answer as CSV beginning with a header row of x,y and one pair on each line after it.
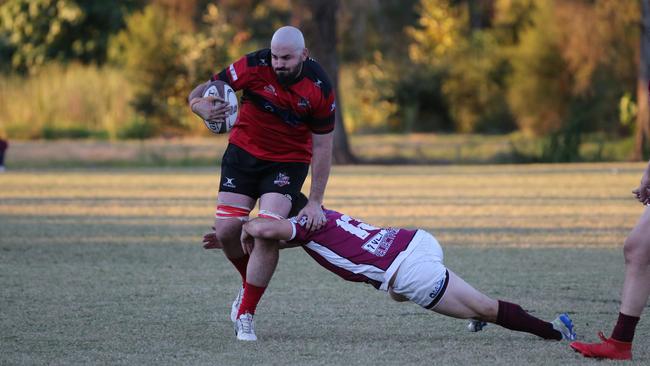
x,y
276,121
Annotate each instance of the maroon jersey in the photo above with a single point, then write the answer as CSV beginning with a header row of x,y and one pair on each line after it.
x,y
275,122
353,249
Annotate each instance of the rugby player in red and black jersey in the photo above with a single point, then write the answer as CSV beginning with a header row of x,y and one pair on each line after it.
x,y
285,123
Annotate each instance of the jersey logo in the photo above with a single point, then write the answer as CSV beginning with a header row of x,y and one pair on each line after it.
x,y
436,288
233,73
270,89
380,242
263,62
318,83
303,103
302,221
282,180
229,183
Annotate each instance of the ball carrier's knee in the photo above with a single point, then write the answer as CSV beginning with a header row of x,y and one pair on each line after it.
x,y
227,228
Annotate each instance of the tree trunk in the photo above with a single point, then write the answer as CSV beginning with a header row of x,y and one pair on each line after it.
x,y
480,13
643,115
317,20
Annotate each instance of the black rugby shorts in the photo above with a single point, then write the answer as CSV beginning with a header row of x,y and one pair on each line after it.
x,y
245,174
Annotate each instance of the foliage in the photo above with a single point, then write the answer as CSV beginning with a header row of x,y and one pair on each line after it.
x,y
150,51
62,101
439,31
511,18
565,65
367,96
214,46
476,86
369,26
627,110
37,31
137,128
551,69
422,104
472,64
164,63
540,83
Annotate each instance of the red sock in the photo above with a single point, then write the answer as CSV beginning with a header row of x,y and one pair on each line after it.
x,y
624,329
241,263
252,295
513,317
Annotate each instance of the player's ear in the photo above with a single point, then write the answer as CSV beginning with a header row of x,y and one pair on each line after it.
x,y
305,54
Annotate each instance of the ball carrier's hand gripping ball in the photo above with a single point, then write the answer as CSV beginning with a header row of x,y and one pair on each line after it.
x,y
220,89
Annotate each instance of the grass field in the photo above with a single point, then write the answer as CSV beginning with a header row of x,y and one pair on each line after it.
x,y
104,266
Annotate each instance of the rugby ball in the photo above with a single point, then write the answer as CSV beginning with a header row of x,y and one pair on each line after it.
x,y
220,89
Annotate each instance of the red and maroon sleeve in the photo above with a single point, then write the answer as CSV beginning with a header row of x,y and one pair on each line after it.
x,y
322,120
302,235
237,74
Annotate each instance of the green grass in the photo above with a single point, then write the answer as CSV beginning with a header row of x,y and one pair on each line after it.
x,y
104,266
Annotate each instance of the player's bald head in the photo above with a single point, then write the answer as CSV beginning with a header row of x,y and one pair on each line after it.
x,y
288,52
289,39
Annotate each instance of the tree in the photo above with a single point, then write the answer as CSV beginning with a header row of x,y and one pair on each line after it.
x,y
33,32
317,20
643,115
151,52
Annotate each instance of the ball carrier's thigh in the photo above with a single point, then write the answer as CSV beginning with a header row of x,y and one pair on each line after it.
x,y
280,183
244,179
240,175
279,186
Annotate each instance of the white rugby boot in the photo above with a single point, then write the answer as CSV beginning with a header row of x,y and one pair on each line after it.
x,y
564,325
245,328
234,309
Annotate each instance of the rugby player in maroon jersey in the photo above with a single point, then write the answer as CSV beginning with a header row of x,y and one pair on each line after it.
x,y
285,123
408,264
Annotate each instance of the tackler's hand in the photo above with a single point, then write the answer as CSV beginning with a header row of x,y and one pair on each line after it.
x,y
247,241
642,192
210,241
314,215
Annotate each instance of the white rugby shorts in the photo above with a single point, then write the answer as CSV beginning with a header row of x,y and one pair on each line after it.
x,y
422,277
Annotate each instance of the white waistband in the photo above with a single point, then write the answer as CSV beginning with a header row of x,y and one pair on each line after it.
x,y
418,238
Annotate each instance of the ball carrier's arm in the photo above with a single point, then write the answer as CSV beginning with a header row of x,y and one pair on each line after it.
x,y
208,108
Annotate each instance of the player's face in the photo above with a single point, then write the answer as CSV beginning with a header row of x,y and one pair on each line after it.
x,y
287,63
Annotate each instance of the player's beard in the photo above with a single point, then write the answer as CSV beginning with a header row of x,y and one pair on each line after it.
x,y
287,76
